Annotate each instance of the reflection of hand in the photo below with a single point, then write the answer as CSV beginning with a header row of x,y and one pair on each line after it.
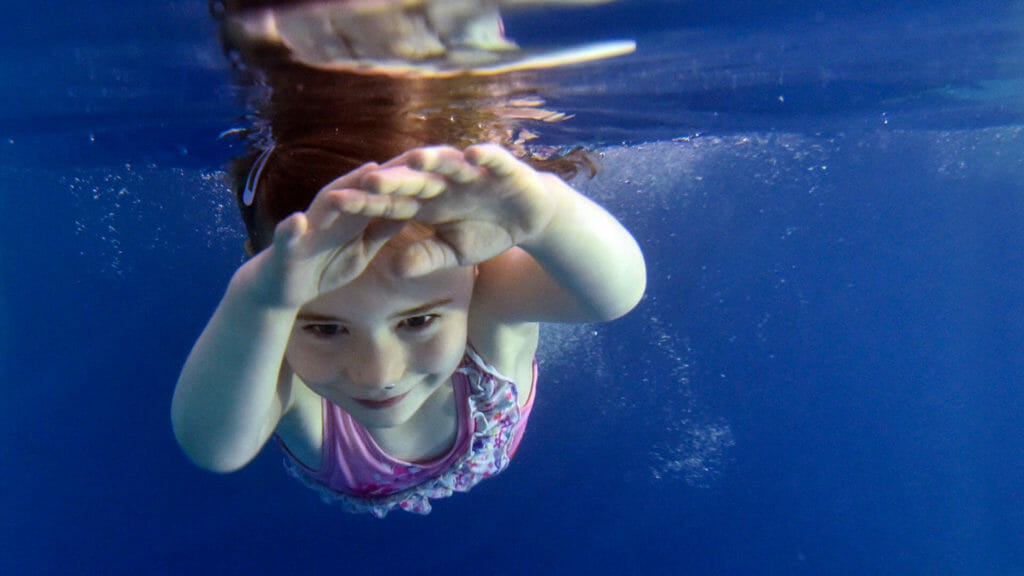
x,y
480,203
332,242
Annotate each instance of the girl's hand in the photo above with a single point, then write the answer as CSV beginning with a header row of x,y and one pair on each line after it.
x,y
480,203
329,244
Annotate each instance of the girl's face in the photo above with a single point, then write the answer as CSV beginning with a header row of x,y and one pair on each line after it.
x,y
380,347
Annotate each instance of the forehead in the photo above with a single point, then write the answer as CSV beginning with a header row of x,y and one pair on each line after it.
x,y
377,294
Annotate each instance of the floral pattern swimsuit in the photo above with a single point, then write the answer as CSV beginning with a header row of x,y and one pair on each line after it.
x,y
357,474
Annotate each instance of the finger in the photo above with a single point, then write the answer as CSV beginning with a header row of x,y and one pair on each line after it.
x,y
340,218
400,160
495,159
403,181
288,231
321,208
425,158
374,237
444,161
347,213
351,179
358,203
424,257
404,158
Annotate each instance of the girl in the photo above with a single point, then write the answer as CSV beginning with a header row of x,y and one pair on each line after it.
x,y
386,334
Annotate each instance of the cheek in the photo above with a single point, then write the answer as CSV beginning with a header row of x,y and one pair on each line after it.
x,y
308,362
429,357
441,354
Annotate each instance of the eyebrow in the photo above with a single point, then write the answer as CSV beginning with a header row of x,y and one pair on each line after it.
x,y
440,302
423,308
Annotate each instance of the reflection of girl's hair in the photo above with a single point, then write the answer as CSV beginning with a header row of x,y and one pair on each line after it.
x,y
316,125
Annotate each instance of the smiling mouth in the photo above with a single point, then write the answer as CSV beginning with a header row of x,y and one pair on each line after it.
x,y
381,404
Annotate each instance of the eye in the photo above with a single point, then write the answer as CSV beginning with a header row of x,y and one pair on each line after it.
x,y
324,330
418,322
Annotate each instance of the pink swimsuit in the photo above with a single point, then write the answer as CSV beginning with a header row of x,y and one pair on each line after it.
x,y
359,475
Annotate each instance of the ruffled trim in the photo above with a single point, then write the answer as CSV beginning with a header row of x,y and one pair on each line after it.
x,y
494,408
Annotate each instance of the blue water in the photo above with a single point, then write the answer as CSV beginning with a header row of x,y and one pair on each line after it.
x,y
824,378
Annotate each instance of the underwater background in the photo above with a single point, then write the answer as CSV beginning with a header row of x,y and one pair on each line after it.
x,y
825,376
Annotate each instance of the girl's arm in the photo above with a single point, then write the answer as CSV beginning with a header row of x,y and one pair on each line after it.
x,y
231,393
546,252
583,266
235,386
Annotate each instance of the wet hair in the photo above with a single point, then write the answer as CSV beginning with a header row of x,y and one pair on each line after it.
x,y
294,173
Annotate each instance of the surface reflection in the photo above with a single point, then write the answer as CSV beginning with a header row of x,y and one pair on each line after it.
x,y
333,85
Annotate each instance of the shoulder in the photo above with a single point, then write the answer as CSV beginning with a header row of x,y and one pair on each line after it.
x,y
301,427
510,347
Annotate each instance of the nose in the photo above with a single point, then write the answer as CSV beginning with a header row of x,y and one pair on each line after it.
x,y
377,364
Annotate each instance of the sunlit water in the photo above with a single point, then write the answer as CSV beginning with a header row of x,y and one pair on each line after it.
x,y
824,377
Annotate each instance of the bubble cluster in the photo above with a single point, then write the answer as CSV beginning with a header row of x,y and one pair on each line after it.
x,y
692,451
690,446
567,346
121,216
